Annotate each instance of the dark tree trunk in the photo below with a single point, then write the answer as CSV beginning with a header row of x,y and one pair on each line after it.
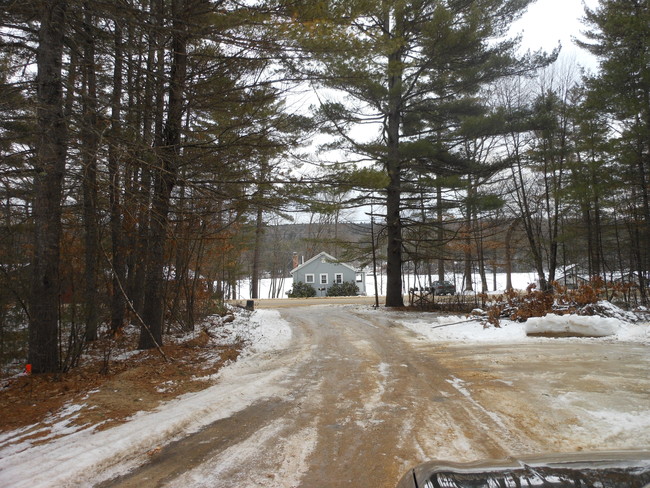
x,y
467,275
153,307
152,134
508,253
599,257
118,301
394,297
140,250
48,180
255,273
441,233
90,144
477,232
586,217
164,181
183,231
644,223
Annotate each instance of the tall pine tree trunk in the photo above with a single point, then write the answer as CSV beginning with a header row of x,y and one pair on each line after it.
x,y
469,230
118,301
152,128
394,297
257,252
90,144
48,181
164,181
467,274
441,233
643,160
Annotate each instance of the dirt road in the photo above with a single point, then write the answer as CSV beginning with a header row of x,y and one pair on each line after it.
x,y
357,399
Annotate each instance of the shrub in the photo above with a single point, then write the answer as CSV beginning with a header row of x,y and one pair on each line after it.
x,y
586,293
520,307
347,289
301,290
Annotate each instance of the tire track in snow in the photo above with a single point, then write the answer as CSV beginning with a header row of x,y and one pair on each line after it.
x,y
260,453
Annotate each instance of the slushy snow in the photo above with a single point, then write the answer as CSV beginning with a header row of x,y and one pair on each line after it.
x,y
70,458
76,452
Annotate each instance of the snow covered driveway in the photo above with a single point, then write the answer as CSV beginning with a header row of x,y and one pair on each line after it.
x,y
354,397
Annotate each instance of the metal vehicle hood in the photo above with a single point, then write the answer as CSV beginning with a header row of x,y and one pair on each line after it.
x,y
629,469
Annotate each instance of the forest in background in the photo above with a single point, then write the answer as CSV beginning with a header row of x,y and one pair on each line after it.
x,y
151,148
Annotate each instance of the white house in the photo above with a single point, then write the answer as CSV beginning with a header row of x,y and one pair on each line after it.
x,y
324,270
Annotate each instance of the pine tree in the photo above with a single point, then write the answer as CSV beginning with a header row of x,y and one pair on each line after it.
x,y
413,68
619,36
50,168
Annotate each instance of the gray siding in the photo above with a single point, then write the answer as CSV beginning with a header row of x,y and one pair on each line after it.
x,y
322,269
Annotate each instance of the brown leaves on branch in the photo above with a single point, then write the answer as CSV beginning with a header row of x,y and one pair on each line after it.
x,y
519,307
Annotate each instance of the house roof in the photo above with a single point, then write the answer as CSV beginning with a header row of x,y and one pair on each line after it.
x,y
320,255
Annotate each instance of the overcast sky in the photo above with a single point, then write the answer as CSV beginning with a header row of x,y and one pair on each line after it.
x,y
548,22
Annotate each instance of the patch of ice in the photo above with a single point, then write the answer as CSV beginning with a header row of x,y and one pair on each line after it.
x,y
616,426
619,423
293,451
383,369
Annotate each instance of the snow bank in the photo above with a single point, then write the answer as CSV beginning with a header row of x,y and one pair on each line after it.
x,y
608,309
572,326
634,333
263,331
461,329
70,459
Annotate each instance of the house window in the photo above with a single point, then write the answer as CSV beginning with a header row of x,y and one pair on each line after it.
x,y
309,278
323,278
338,278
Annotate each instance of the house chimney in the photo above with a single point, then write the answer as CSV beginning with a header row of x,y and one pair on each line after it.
x,y
295,260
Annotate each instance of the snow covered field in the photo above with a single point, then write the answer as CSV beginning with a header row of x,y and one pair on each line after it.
x,y
519,281
78,456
